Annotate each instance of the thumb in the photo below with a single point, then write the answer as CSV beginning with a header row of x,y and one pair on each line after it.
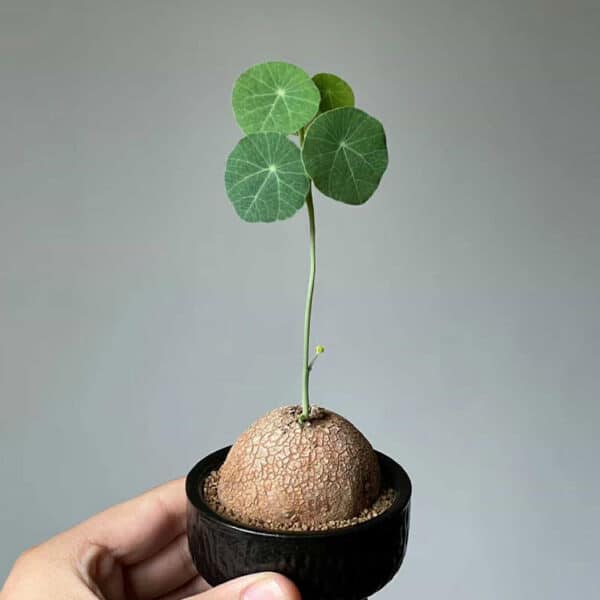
x,y
261,586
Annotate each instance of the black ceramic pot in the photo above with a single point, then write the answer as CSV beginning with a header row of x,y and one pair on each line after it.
x,y
344,564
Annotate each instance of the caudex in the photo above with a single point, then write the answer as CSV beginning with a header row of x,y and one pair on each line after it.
x,y
300,467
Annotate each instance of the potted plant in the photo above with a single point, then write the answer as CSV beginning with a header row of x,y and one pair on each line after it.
x,y
301,492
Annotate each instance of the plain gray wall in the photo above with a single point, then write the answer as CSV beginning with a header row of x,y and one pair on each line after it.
x,y
142,324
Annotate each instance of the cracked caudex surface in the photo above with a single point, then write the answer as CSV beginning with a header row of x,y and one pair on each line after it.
x,y
279,471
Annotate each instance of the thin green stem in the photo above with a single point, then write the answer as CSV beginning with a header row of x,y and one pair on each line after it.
x,y
309,300
308,308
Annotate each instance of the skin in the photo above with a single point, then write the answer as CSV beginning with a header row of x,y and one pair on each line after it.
x,y
133,551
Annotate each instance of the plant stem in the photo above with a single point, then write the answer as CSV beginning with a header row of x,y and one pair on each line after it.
x,y
308,309
309,300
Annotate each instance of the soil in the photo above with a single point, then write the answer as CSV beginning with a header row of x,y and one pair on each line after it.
x,y
381,504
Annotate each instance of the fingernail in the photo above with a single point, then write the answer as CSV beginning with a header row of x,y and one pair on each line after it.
x,y
264,589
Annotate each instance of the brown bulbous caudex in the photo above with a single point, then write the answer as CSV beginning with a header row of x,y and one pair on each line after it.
x,y
280,471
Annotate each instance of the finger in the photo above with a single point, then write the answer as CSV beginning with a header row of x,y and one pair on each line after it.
x,y
195,586
171,568
262,586
137,529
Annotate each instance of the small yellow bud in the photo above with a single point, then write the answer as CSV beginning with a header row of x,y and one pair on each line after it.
x,y
319,349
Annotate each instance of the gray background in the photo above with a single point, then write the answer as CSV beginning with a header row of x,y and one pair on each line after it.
x,y
142,324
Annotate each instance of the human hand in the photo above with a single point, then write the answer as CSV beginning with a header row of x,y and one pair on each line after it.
x,y
137,550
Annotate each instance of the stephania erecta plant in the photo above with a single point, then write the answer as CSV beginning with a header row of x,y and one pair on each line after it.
x,y
337,148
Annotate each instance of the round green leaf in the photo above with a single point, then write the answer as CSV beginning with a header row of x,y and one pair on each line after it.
x,y
265,178
345,154
335,92
274,96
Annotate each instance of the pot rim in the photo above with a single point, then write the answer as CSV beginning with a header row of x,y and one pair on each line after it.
x,y
193,487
